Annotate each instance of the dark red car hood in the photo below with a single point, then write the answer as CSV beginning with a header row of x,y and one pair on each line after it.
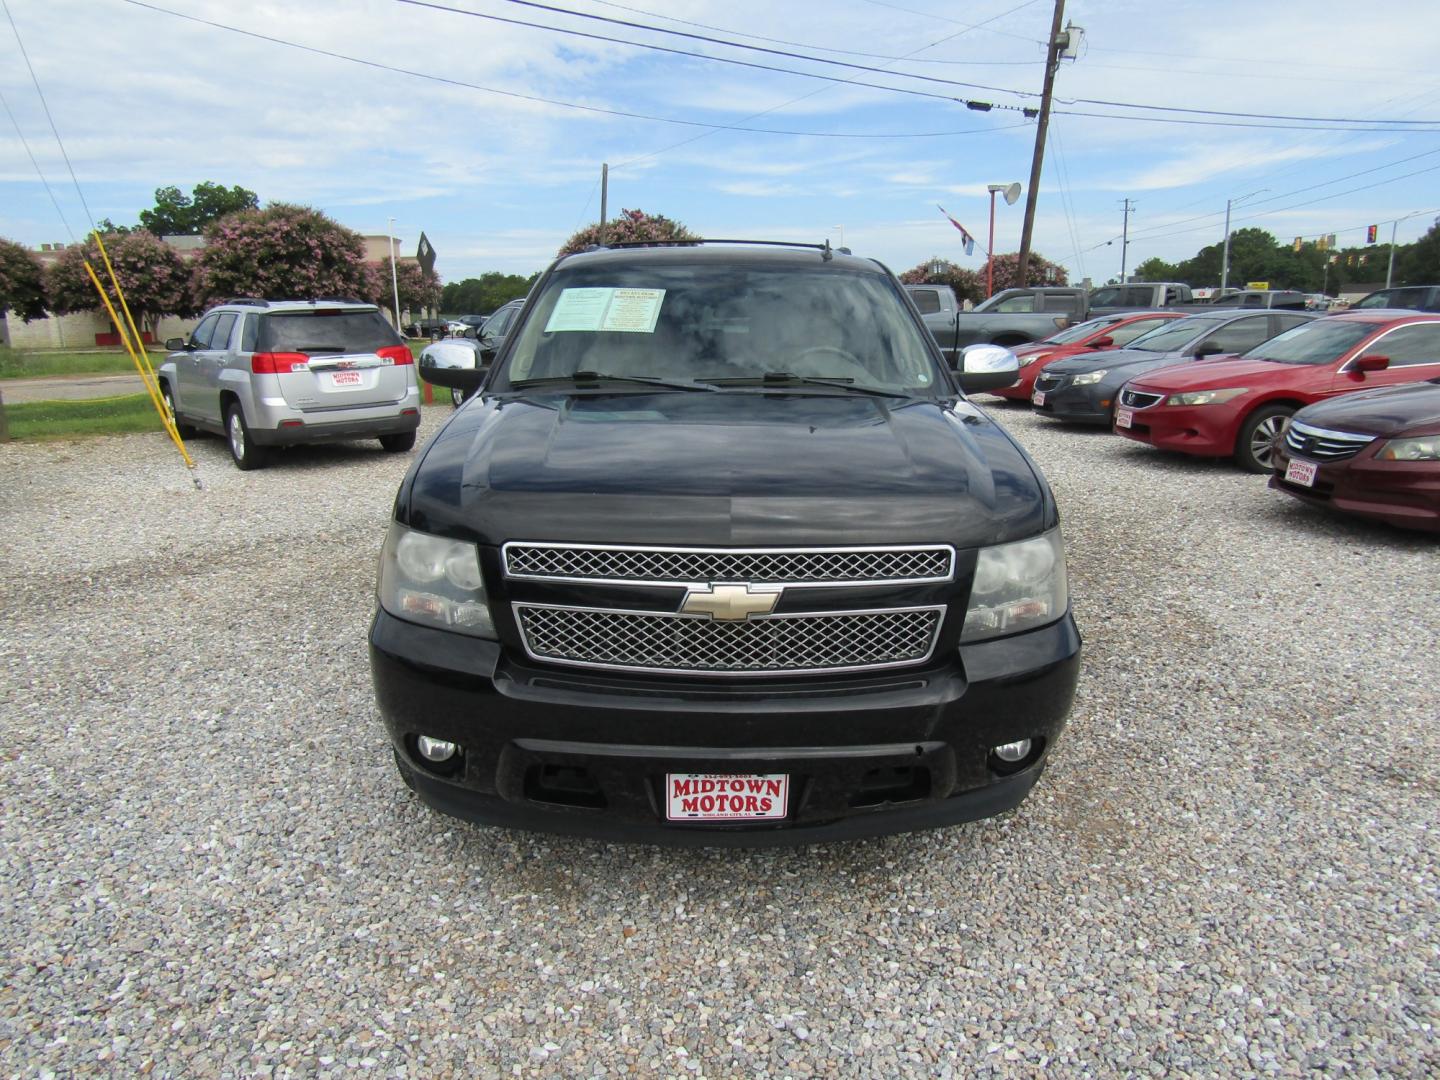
x,y
1413,409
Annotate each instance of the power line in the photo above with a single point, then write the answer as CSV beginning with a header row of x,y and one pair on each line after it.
x,y
46,106
832,49
968,26
38,171
1262,127
622,113
434,6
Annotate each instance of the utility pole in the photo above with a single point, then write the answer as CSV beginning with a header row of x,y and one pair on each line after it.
x,y
604,196
1052,61
394,276
1125,240
1390,269
1225,256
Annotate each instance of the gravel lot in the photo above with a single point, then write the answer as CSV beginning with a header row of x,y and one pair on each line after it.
x,y
210,868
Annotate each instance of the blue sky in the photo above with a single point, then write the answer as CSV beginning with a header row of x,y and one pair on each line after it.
x,y
144,99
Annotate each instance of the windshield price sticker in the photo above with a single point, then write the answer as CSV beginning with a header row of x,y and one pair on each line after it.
x,y
717,797
622,311
1124,417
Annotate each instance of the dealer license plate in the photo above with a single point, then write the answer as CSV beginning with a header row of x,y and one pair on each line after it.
x,y
1038,397
1301,472
726,797
345,378
1124,417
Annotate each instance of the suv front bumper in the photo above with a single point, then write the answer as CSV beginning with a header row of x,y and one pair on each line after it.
x,y
584,753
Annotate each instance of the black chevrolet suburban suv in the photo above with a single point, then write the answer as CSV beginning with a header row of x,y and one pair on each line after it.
x,y
720,553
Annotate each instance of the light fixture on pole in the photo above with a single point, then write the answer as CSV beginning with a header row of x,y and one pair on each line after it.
x,y
394,276
1012,192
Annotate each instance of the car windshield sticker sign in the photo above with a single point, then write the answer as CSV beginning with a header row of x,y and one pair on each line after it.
x,y
625,311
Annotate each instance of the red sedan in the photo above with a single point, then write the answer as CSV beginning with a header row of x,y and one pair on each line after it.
x,y
1105,332
1223,408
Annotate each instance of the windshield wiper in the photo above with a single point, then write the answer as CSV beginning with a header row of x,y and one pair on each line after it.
x,y
586,379
786,378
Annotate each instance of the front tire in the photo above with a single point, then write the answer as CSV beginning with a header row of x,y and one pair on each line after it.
x,y
185,431
246,453
399,443
1255,446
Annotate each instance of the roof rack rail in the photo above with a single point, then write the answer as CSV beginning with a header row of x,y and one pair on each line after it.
x,y
825,249
339,300
252,301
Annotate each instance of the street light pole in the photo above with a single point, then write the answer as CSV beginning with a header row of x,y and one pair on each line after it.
x,y
1390,269
394,276
990,249
1225,256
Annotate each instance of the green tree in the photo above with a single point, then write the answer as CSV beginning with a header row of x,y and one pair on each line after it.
x,y
22,282
1156,270
283,251
1419,263
176,214
153,277
632,226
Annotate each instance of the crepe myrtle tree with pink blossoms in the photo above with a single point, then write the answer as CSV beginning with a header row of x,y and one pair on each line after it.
x,y
22,282
966,284
632,226
419,290
280,252
152,275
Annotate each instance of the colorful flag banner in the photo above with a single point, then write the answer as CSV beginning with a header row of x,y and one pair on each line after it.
x,y
965,237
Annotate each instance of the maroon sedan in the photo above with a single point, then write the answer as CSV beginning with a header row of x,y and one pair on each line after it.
x,y
1113,331
1376,454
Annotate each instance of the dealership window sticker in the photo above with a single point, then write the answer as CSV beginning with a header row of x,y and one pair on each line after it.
x,y
624,311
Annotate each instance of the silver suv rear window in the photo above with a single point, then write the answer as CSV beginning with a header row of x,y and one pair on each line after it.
x,y
325,330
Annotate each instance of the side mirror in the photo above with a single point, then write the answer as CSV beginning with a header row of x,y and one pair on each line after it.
x,y
454,363
1207,348
987,367
174,344
1103,343
1372,362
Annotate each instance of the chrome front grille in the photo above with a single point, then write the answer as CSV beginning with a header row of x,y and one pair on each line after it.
x,y
761,645
1047,381
771,566
1319,444
1136,399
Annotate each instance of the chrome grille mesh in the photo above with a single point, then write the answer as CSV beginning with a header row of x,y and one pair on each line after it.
x,y
775,643
1048,381
1135,399
758,567
1318,444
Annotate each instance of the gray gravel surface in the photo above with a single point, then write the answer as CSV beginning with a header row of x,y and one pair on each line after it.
x,y
208,866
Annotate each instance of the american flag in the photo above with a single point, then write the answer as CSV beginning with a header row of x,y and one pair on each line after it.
x,y
965,237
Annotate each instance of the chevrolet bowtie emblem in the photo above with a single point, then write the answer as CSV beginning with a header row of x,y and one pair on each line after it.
x,y
732,603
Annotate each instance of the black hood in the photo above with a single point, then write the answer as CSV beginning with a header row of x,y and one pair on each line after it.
x,y
742,469
1111,360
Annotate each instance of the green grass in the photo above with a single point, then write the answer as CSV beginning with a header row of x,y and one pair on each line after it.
x,y
38,365
38,420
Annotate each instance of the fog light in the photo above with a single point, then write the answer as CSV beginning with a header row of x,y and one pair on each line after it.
x,y
438,750
1009,752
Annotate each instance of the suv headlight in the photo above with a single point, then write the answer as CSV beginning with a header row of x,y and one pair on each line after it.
x,y
434,581
1017,587
1424,449
1207,397
1088,377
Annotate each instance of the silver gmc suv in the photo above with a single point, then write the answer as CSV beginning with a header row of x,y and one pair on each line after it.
x,y
267,373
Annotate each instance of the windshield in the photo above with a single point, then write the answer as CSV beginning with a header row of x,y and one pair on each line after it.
x,y
1173,336
709,321
340,330
1317,342
1084,330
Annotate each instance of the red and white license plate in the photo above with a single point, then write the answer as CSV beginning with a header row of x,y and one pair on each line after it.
x,y
726,797
1124,417
345,378
1301,472
1038,397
